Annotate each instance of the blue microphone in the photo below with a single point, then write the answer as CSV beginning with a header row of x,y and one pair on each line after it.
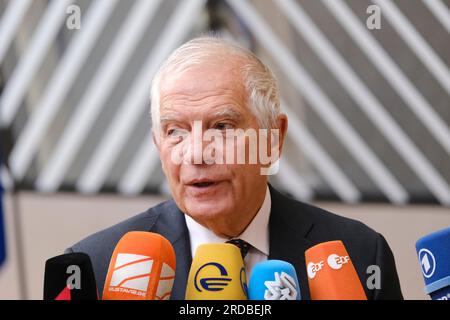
x,y
433,252
273,280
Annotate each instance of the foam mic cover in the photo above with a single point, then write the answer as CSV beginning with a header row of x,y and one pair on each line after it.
x,y
433,252
331,274
217,273
273,280
142,267
70,277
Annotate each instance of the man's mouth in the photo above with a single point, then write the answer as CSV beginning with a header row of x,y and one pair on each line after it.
x,y
203,184
204,188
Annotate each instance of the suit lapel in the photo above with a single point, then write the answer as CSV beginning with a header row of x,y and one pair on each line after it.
x,y
171,224
288,232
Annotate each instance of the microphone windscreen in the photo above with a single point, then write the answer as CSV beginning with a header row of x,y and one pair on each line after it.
x,y
433,252
273,280
331,274
142,267
217,273
70,277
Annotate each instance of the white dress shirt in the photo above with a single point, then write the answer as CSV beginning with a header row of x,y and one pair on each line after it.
x,y
256,234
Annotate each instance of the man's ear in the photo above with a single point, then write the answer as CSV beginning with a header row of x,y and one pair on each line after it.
x,y
282,127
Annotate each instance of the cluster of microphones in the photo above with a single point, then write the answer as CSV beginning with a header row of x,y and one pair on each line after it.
x,y
142,267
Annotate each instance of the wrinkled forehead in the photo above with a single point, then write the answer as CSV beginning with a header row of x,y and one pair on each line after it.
x,y
207,78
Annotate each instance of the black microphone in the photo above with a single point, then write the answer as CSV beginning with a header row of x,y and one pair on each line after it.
x,y
70,277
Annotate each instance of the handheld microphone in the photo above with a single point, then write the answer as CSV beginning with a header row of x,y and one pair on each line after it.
x,y
273,280
142,267
331,274
217,273
70,277
433,252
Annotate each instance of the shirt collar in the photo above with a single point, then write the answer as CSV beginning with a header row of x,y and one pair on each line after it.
x,y
256,233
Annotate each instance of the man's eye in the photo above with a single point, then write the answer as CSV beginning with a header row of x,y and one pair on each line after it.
x,y
174,132
223,126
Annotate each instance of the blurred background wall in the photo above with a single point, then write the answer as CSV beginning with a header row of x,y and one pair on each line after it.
x,y
366,86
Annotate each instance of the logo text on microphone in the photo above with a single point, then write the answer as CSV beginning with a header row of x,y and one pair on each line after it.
x,y
313,268
336,262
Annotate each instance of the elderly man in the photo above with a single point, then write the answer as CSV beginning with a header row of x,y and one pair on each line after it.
x,y
210,87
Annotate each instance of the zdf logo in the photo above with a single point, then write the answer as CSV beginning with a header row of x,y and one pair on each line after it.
x,y
336,262
313,268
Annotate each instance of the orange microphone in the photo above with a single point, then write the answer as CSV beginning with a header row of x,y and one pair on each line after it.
x,y
142,267
331,274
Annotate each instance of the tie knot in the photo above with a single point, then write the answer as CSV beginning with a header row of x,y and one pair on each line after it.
x,y
242,245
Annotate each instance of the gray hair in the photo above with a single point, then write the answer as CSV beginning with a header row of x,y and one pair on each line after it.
x,y
259,82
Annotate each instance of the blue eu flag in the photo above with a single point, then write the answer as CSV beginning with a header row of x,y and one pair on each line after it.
x,y
2,229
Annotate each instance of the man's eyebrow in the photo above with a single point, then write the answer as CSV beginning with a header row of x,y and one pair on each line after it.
x,y
168,117
227,112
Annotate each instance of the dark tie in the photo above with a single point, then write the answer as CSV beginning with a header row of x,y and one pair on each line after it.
x,y
242,245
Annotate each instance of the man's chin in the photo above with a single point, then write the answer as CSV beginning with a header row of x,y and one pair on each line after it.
x,y
205,210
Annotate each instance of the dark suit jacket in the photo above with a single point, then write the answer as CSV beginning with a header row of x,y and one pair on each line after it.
x,y
293,228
